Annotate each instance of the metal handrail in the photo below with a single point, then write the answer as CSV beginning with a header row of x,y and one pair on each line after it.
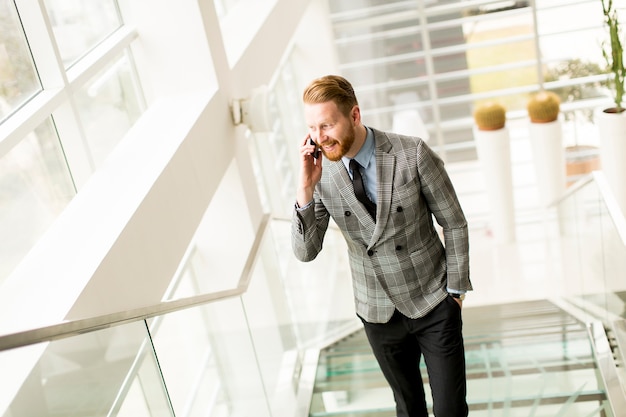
x,y
90,324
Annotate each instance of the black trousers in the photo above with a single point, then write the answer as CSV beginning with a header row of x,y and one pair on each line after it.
x,y
398,346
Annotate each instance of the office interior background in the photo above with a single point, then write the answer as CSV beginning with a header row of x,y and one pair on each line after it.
x,y
145,220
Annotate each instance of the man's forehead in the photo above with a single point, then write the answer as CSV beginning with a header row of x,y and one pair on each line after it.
x,y
321,111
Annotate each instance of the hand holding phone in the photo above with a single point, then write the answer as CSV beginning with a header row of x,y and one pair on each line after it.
x,y
316,152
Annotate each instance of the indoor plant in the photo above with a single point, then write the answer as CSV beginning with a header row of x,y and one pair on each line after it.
x,y
614,55
546,141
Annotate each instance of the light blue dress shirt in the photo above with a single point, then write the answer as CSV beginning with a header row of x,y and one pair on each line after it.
x,y
366,157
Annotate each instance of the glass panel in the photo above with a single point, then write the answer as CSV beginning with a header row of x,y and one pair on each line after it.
x,y
597,253
208,361
35,186
273,333
80,25
95,374
108,106
18,79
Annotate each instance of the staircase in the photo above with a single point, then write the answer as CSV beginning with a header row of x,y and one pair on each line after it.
x,y
523,359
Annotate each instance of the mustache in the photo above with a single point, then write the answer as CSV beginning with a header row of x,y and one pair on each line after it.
x,y
330,142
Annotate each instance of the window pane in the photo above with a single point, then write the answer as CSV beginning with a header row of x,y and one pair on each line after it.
x,y
18,80
578,36
108,106
79,25
35,186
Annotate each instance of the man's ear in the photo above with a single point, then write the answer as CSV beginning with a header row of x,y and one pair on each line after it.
x,y
355,113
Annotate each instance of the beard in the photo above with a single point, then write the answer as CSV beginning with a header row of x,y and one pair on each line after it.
x,y
343,146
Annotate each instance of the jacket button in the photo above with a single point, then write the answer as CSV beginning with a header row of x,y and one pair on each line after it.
x,y
399,209
347,213
399,247
370,252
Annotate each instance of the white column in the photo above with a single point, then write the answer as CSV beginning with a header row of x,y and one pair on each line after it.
x,y
612,134
548,159
494,152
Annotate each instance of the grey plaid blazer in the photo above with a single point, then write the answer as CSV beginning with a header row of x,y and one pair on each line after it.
x,y
399,261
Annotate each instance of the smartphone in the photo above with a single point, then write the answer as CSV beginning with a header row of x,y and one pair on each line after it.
x,y
316,152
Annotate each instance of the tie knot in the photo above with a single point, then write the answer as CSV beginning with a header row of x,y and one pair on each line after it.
x,y
354,165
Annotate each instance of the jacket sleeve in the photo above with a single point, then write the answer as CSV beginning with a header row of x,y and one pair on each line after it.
x,y
308,227
442,201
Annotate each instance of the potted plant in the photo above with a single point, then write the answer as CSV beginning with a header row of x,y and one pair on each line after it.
x,y
611,121
490,115
546,142
614,55
494,152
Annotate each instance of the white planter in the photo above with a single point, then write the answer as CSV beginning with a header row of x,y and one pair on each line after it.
x,y
612,135
494,153
546,142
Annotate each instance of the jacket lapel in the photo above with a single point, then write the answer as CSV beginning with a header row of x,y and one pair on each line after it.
x,y
385,168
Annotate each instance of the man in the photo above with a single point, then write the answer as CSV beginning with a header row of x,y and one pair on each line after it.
x,y
408,288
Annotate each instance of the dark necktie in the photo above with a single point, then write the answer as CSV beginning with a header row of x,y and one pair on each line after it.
x,y
359,189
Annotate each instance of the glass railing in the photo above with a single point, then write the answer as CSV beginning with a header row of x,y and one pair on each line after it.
x,y
593,244
229,353
107,372
247,351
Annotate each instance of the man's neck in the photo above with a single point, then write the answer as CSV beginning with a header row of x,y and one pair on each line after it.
x,y
359,140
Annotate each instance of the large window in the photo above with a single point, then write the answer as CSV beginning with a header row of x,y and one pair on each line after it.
x,y
61,114
434,61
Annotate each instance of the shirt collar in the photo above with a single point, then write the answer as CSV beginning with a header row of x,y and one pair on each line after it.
x,y
366,154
